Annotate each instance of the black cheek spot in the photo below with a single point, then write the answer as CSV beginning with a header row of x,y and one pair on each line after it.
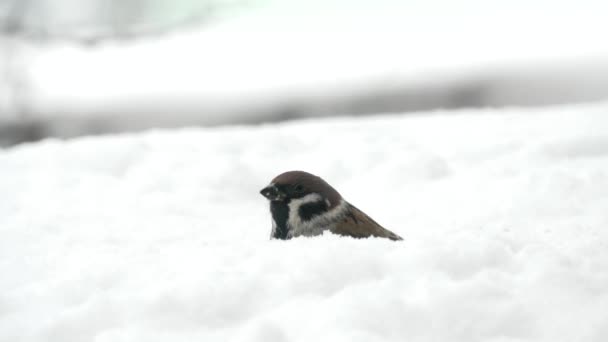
x,y
280,215
309,210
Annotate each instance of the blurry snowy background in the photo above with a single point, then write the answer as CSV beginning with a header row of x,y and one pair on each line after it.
x,y
73,67
477,130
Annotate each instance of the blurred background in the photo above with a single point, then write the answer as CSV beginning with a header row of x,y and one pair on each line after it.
x,y
80,67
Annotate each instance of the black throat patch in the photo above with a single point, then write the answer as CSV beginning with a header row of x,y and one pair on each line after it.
x,y
280,215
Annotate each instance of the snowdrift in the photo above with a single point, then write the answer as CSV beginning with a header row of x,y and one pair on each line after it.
x,y
162,236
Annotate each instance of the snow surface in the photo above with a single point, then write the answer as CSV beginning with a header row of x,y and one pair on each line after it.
x,y
163,236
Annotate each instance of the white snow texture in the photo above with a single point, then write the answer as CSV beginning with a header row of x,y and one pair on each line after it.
x,y
163,236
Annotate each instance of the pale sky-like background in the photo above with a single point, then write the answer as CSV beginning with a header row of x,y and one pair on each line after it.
x,y
165,63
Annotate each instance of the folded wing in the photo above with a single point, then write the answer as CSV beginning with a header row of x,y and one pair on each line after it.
x,y
357,224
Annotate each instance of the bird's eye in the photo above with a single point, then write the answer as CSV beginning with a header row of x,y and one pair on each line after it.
x,y
299,188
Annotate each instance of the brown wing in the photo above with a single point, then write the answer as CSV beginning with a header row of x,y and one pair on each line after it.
x,y
357,224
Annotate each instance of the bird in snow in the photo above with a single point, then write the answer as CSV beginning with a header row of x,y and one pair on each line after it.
x,y
302,204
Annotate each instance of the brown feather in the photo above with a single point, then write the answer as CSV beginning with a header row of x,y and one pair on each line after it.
x,y
357,224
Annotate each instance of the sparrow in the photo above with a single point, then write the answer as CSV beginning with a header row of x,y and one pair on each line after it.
x,y
302,204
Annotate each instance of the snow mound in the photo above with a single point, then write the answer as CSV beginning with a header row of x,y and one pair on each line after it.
x,y
163,236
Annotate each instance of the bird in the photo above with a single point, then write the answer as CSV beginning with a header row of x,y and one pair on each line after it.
x,y
302,204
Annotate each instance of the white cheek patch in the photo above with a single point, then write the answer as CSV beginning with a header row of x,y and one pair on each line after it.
x,y
317,224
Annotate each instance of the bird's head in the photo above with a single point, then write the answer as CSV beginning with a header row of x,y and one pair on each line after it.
x,y
298,185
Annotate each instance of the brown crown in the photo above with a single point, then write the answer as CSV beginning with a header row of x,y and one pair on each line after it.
x,y
311,182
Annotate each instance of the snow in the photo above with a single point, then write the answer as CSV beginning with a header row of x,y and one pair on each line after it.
x,y
163,236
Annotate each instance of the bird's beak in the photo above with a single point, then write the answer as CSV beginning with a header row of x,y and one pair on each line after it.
x,y
272,193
